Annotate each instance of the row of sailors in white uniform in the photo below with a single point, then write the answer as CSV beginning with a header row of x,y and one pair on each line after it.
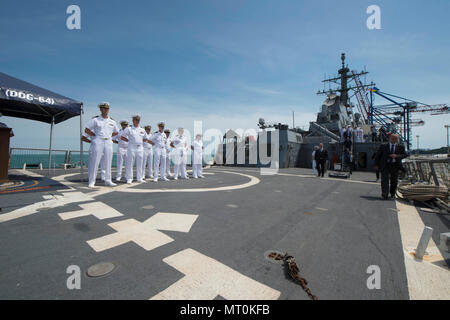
x,y
356,134
140,146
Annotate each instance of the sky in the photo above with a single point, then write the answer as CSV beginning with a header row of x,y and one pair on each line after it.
x,y
225,63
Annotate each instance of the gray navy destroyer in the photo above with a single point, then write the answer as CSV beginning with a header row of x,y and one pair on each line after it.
x,y
337,112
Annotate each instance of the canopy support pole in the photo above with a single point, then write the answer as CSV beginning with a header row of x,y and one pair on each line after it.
x,y
50,147
81,144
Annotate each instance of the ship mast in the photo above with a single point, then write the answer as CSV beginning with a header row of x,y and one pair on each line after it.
x,y
345,76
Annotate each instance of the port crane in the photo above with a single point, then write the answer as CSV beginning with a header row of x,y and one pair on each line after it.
x,y
397,113
400,112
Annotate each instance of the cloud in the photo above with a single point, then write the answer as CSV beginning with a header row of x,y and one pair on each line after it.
x,y
262,91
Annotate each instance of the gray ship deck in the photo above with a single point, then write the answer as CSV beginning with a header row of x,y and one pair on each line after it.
x,y
334,228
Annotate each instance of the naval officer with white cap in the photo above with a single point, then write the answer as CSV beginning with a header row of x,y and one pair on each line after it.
x,y
85,138
101,129
122,150
134,135
168,150
180,145
148,152
197,157
159,150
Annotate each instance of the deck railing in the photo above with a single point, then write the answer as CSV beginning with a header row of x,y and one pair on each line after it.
x,y
429,170
38,158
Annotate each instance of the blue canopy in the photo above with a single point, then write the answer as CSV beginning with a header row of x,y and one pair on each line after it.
x,y
21,99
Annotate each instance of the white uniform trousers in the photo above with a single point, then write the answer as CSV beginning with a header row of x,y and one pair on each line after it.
x,y
159,162
314,166
100,148
121,158
197,170
135,153
180,163
148,161
168,173
102,168
197,158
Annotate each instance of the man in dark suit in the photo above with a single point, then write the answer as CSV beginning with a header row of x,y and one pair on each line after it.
x,y
321,158
388,161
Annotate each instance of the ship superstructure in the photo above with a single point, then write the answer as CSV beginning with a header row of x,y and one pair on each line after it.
x,y
337,112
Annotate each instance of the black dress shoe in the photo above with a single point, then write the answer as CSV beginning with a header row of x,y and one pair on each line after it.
x,y
385,197
393,195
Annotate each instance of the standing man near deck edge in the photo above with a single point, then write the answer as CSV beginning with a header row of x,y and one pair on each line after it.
x,y
321,157
134,135
148,152
159,150
122,150
101,129
389,161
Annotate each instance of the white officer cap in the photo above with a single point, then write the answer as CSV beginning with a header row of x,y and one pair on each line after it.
x,y
104,104
136,116
161,123
124,122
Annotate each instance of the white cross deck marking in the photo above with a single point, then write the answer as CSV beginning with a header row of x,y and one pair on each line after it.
x,y
144,234
56,201
206,278
98,209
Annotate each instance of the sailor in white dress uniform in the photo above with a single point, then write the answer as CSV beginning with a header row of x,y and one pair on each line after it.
x,y
134,135
342,132
159,151
122,150
314,163
86,139
197,157
359,135
101,129
180,144
168,152
148,152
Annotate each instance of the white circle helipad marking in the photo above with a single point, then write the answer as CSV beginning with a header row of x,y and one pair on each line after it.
x,y
253,181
